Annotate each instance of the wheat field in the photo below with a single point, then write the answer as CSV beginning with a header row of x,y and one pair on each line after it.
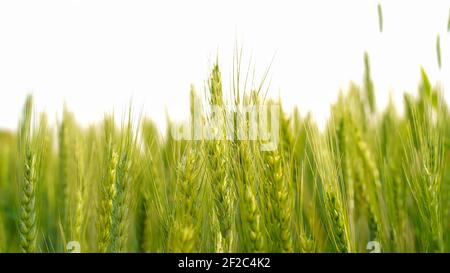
x,y
370,177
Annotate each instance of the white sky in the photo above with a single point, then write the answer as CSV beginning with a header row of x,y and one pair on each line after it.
x,y
98,55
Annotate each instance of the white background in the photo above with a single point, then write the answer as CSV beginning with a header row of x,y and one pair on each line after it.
x,y
99,55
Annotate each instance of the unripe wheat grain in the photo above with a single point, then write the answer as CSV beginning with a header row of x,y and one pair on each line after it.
x,y
108,190
279,203
27,222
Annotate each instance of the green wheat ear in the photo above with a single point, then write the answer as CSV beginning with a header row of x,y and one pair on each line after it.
x,y
215,86
27,223
252,219
339,234
108,193
27,218
380,17
184,233
279,203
